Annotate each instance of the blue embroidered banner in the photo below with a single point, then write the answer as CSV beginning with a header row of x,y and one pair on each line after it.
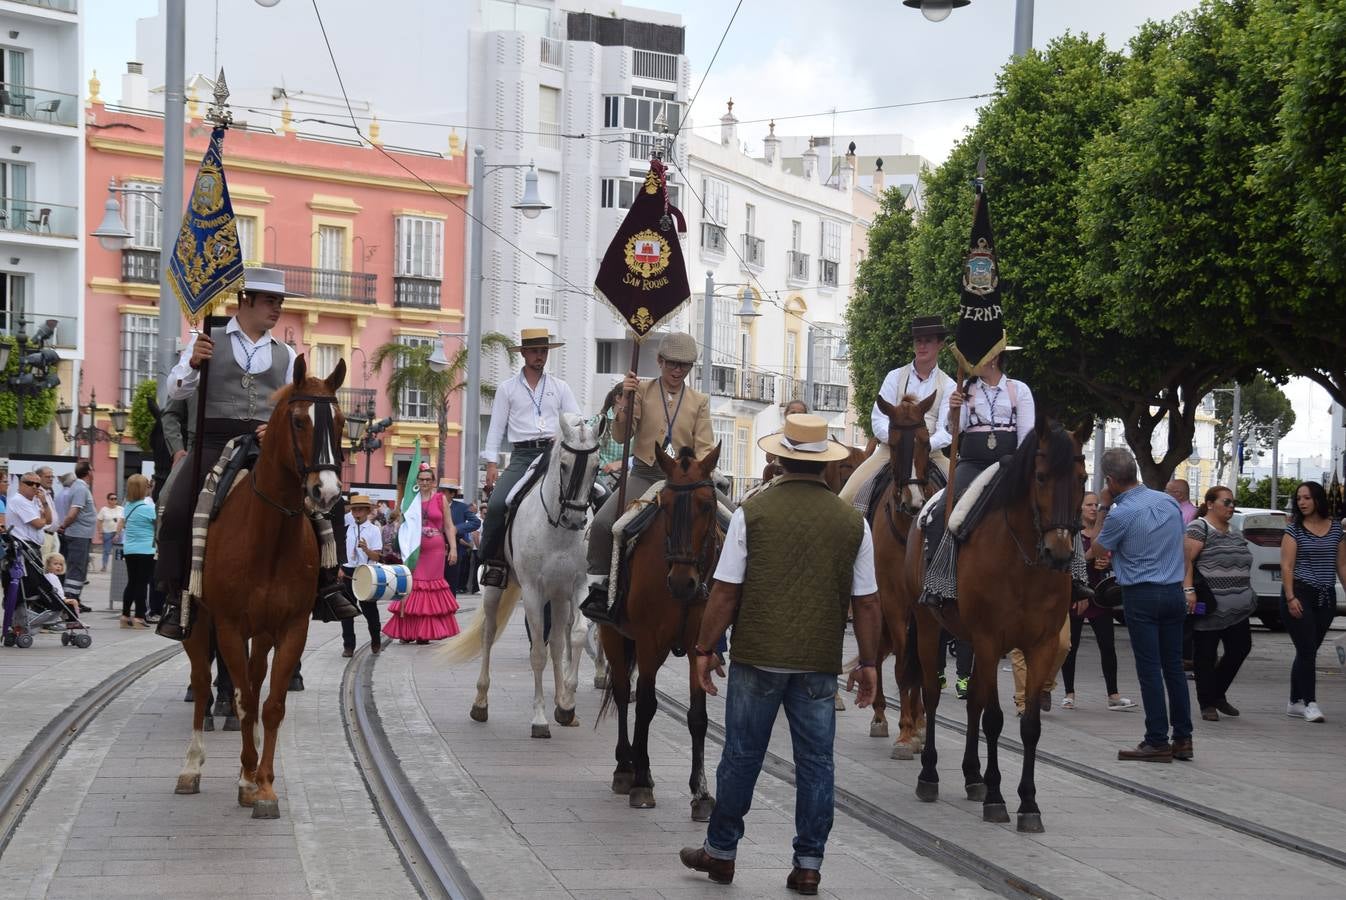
x,y
207,264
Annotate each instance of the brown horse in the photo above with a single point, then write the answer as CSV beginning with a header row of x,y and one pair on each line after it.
x,y
1013,591
261,575
909,462
671,568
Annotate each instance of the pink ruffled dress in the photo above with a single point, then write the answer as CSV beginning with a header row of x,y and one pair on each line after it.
x,y
427,613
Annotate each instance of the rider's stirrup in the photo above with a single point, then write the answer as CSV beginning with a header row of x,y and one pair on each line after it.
x,y
595,606
494,574
171,624
332,604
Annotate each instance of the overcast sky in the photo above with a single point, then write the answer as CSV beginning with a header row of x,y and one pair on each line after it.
x,y
789,57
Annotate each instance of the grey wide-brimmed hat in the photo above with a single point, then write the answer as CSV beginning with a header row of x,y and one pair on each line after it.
x,y
678,346
266,281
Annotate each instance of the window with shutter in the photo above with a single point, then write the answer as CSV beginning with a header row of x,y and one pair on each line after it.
x,y
143,217
247,239
419,247
139,340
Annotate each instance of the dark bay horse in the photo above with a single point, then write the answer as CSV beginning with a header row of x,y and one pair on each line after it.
x,y
261,575
1013,591
671,568
909,463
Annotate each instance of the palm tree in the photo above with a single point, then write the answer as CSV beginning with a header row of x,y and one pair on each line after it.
x,y
411,369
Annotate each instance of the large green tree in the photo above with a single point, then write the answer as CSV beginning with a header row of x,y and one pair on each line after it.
x,y
411,369
38,410
1265,416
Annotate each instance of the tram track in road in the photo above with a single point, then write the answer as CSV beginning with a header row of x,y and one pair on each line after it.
x,y
429,861
22,781
1276,837
960,860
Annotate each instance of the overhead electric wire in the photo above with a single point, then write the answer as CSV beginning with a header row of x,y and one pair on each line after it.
x,y
706,74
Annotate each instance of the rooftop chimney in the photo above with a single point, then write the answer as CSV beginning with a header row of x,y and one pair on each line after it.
x,y
135,87
878,176
771,145
729,127
847,180
810,160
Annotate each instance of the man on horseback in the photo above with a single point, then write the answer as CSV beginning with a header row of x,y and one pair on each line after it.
x,y
238,402
789,622
666,411
920,378
526,411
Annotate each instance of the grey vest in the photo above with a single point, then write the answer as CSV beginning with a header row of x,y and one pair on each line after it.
x,y
228,396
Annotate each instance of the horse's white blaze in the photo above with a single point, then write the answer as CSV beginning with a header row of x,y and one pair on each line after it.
x,y
329,488
196,753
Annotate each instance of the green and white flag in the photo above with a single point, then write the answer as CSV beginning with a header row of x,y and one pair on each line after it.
x,y
409,532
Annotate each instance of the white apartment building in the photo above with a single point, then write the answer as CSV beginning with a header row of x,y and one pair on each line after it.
x,y
42,173
782,241
891,159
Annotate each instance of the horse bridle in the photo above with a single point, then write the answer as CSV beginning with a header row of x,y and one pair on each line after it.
x,y
324,435
906,450
677,541
1061,509
576,485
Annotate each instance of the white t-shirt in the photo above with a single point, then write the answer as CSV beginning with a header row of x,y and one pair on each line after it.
x,y
22,511
734,558
373,540
108,517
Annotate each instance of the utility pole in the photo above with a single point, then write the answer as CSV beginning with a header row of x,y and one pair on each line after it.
x,y
170,325
1100,435
1236,455
808,367
1275,465
1023,27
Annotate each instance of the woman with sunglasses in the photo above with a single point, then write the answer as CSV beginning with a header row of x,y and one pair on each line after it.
x,y
1313,557
1222,558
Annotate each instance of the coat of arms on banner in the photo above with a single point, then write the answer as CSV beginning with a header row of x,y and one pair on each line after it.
x,y
647,253
980,275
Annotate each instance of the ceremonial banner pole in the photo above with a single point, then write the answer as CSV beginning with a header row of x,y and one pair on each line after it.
x,y
642,274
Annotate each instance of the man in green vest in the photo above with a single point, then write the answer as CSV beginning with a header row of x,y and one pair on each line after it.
x,y
794,558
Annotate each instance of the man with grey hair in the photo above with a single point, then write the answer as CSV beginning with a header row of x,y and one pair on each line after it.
x,y
1142,528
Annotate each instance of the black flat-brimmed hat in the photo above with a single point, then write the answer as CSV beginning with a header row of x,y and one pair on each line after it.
x,y
928,326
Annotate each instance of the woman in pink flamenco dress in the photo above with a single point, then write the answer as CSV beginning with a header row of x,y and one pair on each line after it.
x,y
427,613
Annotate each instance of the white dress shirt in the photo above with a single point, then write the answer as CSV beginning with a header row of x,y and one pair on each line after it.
x,y
355,556
893,389
523,414
1001,409
182,377
733,565
22,510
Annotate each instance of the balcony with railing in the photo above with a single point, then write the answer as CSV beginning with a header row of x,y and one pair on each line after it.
x,y
356,400
22,101
827,273
654,65
58,5
757,387
754,251
830,397
330,284
712,237
549,135
140,266
38,217
798,271
416,293
553,52
640,143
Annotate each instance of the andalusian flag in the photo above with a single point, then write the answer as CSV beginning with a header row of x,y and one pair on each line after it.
x,y
409,532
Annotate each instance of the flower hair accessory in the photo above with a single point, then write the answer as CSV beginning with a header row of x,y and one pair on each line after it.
x,y
425,467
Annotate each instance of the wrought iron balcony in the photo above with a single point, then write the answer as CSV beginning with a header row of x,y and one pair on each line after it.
x,y
827,273
416,293
712,237
754,251
759,387
356,400
330,284
830,397
654,65
798,271
140,266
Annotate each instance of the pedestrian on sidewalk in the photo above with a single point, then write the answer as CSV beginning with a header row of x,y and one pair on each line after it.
x,y
1098,618
110,526
785,587
1220,556
427,613
1312,559
76,529
1142,529
137,551
364,545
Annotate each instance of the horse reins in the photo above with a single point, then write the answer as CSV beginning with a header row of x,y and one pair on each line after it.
x,y
1061,509
904,459
576,485
677,542
324,438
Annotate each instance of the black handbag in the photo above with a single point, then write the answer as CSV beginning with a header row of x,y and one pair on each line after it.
x,y
1205,597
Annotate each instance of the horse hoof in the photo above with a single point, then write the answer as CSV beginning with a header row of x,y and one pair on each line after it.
x,y
188,784
231,723
246,796
641,798
541,731
566,717
622,781
878,729
903,751
478,714
977,791
209,724
994,812
1030,823
702,808
837,703
266,809
927,791
600,682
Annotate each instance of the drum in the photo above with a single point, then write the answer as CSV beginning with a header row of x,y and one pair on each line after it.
x,y
378,583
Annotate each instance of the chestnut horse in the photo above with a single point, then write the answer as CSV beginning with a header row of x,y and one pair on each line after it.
x,y
1013,591
671,569
909,462
261,575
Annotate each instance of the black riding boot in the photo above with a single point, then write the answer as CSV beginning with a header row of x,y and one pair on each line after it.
x,y
172,624
595,606
494,573
332,603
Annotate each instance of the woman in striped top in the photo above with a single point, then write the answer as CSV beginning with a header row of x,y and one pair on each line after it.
x,y
1223,559
1312,558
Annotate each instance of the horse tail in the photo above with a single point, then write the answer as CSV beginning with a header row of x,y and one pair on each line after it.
x,y
628,655
467,644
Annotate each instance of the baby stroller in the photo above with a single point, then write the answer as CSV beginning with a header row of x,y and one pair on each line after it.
x,y
31,603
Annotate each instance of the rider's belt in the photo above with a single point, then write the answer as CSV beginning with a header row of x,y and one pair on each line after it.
x,y
231,427
987,445
539,444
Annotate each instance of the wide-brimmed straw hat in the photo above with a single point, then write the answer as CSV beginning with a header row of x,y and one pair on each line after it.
x,y
266,281
359,500
804,437
536,339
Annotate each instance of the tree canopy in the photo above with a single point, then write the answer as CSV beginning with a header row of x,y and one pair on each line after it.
x,y
1265,416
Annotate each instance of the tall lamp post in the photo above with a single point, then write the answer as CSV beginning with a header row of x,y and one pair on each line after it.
x,y
938,11
363,431
34,373
90,434
746,313
531,205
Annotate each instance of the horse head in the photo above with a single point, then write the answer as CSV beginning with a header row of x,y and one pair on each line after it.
x,y
909,448
572,470
689,502
307,410
1057,489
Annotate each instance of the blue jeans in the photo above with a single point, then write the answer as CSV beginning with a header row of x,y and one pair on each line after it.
x,y
1154,617
753,700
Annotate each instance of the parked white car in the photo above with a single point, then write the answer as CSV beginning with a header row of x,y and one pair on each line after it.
x,y
1263,529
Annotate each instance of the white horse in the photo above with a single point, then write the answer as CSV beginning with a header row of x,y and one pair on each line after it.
x,y
545,552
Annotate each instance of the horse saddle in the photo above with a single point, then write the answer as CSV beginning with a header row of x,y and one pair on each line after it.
x,y
967,509
531,477
244,457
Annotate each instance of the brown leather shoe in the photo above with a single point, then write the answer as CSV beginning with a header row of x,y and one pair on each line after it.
x,y
721,871
1182,748
804,881
1146,753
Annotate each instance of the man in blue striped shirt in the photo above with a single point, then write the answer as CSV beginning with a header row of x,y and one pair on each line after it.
x,y
1142,529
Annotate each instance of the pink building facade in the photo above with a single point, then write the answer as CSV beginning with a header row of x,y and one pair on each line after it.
x,y
376,253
